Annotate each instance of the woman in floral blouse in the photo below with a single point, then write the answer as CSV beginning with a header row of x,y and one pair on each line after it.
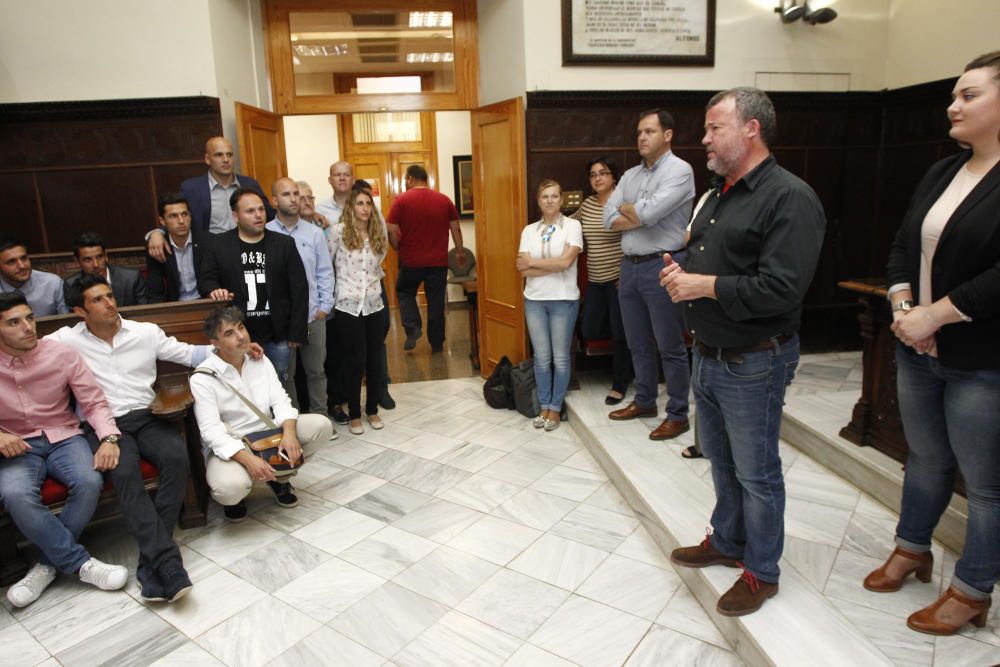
x,y
358,245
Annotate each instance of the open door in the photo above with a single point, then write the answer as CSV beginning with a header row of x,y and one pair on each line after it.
x,y
498,186
260,135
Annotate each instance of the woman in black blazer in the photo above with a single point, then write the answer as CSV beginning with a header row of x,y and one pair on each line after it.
x,y
944,277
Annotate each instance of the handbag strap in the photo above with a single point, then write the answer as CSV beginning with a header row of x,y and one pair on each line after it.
x,y
250,404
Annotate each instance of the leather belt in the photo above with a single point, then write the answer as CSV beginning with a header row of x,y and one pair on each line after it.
x,y
639,259
733,355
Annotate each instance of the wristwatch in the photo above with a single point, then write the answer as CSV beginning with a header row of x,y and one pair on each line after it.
x,y
903,305
113,439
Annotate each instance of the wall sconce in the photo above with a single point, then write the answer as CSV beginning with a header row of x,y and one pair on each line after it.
x,y
793,11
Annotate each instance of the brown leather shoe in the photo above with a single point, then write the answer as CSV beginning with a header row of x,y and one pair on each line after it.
x,y
889,577
669,430
746,596
702,555
951,611
631,411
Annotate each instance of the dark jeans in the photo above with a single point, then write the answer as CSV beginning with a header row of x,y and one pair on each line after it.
x,y
951,419
364,337
602,317
739,420
435,280
336,359
654,326
150,521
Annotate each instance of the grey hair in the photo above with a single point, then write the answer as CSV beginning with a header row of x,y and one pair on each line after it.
x,y
751,103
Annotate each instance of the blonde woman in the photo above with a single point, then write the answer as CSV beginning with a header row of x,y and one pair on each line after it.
x,y
358,245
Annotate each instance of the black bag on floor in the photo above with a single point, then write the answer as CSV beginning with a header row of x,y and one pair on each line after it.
x,y
522,381
497,390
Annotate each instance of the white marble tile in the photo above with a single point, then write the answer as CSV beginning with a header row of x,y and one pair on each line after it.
x,y
446,575
582,460
232,541
327,648
51,662
144,634
391,437
513,602
663,646
243,640
315,470
288,519
458,641
188,655
685,615
338,530
19,647
388,552
639,589
558,561
595,527
890,634
280,562
429,445
329,589
210,602
530,655
813,560
819,485
481,492
871,536
873,508
77,618
431,478
471,457
590,634
535,509
345,486
850,569
958,650
569,483
480,411
816,522
349,453
388,618
494,539
518,468
553,450
608,497
438,520
389,464
389,502
506,438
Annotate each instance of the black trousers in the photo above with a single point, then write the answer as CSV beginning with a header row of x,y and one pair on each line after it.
x,y
150,521
364,337
435,280
602,318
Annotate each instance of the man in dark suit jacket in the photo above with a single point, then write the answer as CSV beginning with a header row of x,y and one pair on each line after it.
x,y
127,285
208,196
262,273
175,279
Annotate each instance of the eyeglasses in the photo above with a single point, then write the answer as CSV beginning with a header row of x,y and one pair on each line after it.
x,y
602,172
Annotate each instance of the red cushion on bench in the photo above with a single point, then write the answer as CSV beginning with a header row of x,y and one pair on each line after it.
x,y
54,491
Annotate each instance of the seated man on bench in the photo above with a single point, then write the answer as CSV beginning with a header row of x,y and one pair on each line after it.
x,y
40,437
232,392
122,354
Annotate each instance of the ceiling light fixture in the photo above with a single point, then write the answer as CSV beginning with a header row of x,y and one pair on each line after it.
x,y
822,15
445,57
793,12
430,19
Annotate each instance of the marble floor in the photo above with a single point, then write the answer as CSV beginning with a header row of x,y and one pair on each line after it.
x,y
459,535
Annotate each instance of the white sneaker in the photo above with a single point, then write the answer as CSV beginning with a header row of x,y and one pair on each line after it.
x,y
104,576
333,432
31,587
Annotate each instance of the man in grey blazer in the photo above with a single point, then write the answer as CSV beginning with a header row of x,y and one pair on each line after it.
x,y
127,284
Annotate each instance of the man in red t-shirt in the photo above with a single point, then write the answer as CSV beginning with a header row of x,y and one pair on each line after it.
x,y
419,222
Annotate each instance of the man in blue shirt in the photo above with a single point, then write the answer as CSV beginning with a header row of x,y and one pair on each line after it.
x,y
651,206
44,291
311,244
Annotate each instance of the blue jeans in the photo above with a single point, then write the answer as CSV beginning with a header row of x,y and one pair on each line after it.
x,y
550,326
951,419
739,420
649,315
71,462
280,356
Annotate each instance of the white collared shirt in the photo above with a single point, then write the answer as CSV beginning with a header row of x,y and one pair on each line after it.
x,y
561,285
126,369
357,291
222,416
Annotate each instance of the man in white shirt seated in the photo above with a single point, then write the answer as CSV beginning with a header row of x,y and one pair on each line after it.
x,y
223,417
122,354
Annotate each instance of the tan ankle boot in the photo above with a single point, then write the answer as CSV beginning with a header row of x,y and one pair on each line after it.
x,y
897,567
951,611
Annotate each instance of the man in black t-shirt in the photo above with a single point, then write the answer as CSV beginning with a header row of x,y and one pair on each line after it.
x,y
262,273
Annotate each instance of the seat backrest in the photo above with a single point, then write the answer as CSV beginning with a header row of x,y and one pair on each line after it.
x,y
461,272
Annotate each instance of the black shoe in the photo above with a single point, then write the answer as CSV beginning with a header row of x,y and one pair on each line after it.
x,y
340,417
411,339
235,513
386,401
437,348
176,582
283,494
149,581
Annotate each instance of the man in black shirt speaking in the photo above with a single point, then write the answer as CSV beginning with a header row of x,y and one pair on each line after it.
x,y
752,252
262,273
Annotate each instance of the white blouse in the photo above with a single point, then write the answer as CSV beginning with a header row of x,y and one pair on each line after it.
x,y
358,273
542,240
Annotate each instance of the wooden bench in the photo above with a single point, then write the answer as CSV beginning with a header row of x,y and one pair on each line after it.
x,y
182,320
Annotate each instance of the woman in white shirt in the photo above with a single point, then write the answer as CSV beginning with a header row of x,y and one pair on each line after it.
x,y
547,259
358,245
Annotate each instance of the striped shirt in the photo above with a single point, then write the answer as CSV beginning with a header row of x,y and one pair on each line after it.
x,y
604,247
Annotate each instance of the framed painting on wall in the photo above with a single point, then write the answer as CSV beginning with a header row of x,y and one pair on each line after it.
x,y
462,168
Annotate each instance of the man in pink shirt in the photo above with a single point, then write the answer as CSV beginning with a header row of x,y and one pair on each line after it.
x,y
40,437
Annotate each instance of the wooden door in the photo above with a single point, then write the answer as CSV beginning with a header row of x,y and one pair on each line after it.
x,y
498,186
261,138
